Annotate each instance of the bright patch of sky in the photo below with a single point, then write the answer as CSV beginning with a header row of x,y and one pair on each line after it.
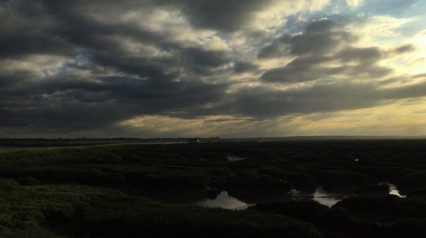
x,y
350,9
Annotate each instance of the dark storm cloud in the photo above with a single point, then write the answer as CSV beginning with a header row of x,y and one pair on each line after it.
x,y
14,78
70,102
195,60
278,48
80,30
243,67
202,61
412,91
143,85
156,96
404,49
309,68
323,42
299,70
362,55
203,58
262,102
222,15
104,82
75,26
319,40
59,26
148,67
21,44
319,37
24,31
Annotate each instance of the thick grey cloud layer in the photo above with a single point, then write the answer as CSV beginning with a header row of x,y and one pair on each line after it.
x,y
323,42
221,14
266,102
101,82
319,37
143,85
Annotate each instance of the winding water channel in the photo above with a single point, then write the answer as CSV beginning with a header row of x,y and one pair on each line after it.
x,y
225,201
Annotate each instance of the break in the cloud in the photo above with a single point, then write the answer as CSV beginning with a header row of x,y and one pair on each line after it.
x,y
354,3
211,68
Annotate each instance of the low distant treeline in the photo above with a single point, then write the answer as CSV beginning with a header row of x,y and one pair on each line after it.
x,y
59,142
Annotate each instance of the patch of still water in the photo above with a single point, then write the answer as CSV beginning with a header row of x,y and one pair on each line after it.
x,y
393,190
223,200
327,199
320,196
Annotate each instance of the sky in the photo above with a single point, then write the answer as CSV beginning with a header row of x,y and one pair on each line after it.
x,y
203,68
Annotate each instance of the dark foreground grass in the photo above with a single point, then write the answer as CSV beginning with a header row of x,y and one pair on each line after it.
x,y
104,191
356,219
81,211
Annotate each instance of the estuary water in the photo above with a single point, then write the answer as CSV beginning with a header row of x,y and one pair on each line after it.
x,y
225,201
393,190
320,196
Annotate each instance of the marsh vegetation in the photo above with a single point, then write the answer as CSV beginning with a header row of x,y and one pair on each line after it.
x,y
162,190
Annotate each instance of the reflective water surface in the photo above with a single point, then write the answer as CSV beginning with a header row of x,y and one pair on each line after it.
x,y
320,196
393,190
223,200
327,199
